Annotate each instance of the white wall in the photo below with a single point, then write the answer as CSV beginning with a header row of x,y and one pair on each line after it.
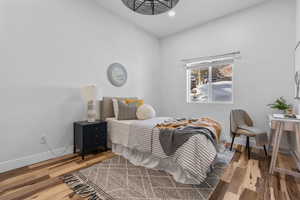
x,y
298,34
264,34
298,20
49,48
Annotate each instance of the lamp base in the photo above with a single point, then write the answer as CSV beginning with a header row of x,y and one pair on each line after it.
x,y
91,112
91,120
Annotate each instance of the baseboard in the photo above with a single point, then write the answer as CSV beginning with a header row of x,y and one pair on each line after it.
x,y
35,158
242,141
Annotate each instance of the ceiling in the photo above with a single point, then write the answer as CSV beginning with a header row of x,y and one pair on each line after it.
x,y
189,13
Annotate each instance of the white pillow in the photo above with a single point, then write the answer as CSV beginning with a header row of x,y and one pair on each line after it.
x,y
145,112
116,107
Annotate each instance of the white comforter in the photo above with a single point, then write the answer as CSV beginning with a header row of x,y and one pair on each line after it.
x,y
194,157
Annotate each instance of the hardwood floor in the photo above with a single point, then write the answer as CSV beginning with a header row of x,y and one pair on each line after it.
x,y
41,181
249,179
243,179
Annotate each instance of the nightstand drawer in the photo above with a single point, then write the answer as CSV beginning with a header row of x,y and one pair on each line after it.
x,y
96,129
94,136
100,139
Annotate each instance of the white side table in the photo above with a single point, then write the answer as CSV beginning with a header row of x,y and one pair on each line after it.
x,y
281,125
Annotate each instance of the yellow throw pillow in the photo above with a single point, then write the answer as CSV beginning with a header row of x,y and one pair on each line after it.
x,y
139,102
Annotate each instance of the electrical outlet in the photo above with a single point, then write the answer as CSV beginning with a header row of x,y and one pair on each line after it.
x,y
43,140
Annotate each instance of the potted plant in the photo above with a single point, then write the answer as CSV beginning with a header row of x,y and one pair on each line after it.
x,y
282,105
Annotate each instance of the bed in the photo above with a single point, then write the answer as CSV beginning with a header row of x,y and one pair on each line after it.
x,y
139,142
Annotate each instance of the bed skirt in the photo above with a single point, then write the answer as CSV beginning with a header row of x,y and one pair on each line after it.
x,y
148,160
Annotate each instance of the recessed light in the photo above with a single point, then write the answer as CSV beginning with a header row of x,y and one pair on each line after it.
x,y
171,13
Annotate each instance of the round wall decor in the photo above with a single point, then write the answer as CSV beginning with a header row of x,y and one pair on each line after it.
x,y
117,74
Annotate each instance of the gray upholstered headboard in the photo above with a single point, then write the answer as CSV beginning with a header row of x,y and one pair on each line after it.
x,y
106,106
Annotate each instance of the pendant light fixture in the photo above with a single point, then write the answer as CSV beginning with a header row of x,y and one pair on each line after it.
x,y
150,7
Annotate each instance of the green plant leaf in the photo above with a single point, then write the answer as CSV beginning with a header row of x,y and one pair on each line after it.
x,y
280,104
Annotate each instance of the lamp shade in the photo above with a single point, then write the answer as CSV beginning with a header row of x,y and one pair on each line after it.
x,y
88,92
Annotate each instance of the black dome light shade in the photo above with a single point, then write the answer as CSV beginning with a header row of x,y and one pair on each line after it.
x,y
150,7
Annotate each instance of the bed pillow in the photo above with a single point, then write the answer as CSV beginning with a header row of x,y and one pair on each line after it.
x,y
106,106
127,111
139,102
116,107
145,112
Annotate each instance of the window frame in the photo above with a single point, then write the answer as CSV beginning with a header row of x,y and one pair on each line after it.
x,y
188,86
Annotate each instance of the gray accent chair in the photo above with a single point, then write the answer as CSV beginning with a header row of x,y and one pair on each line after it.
x,y
241,124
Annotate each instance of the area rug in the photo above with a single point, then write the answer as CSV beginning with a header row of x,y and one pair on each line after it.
x,y
118,179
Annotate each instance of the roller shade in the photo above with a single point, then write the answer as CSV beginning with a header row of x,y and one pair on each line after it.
x,y
210,64
218,60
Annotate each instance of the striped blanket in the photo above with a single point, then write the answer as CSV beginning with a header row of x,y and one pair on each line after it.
x,y
195,156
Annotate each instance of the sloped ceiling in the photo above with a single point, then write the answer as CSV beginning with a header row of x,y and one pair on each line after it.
x,y
189,13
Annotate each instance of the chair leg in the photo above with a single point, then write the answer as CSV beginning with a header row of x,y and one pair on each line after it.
x,y
248,147
232,141
266,153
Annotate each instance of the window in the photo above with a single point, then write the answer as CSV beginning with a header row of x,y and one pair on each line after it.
x,y
210,81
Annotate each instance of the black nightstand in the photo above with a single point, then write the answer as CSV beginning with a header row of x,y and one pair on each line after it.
x,y
90,137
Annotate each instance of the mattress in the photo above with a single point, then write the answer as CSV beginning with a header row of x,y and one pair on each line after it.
x,y
140,137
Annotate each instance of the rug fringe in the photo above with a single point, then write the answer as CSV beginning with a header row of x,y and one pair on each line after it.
x,y
82,189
